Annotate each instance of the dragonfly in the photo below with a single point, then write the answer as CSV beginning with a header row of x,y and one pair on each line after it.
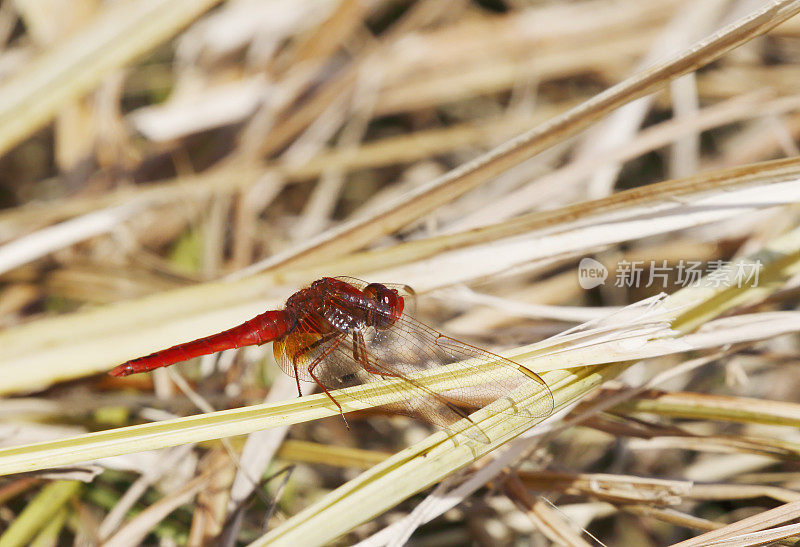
x,y
344,332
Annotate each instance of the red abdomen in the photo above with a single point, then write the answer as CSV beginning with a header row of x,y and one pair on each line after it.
x,y
261,329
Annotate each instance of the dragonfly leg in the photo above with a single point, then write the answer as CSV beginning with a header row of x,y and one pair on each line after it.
x,y
360,355
297,379
303,351
321,340
311,368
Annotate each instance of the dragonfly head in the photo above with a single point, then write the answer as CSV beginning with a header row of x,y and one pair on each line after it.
x,y
388,300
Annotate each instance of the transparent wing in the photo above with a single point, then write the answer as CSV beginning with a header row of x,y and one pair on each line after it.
x,y
367,355
423,403
339,360
410,345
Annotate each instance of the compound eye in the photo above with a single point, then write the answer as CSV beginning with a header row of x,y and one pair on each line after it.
x,y
389,302
379,294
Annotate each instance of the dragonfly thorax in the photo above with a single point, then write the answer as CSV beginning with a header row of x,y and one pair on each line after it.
x,y
342,320
345,308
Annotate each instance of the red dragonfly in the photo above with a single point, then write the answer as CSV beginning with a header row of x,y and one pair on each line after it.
x,y
343,332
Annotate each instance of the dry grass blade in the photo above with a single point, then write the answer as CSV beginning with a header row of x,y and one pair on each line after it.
x,y
551,523
675,191
726,534
149,173
716,407
115,37
633,489
394,215
137,529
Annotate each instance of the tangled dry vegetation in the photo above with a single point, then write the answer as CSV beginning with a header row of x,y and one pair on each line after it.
x,y
170,168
